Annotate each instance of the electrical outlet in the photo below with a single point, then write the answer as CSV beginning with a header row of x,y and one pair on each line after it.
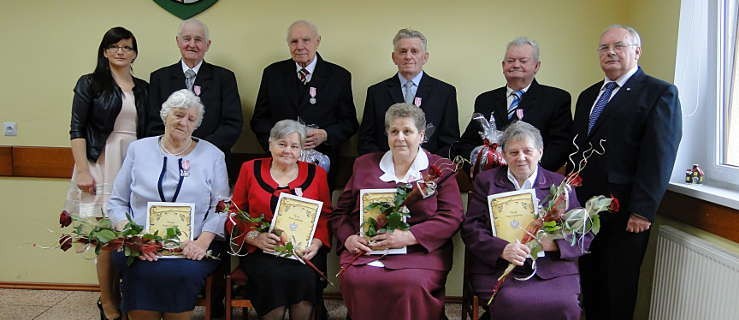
x,y
10,128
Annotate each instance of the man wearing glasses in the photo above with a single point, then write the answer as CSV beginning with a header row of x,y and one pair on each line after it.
x,y
637,120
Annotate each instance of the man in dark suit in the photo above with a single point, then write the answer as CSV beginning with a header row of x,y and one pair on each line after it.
x,y
412,85
216,87
523,98
637,120
308,89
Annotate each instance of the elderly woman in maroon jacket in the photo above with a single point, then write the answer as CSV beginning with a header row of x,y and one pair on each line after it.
x,y
403,286
553,291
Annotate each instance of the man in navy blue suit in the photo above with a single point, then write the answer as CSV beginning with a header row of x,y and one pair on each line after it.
x,y
412,85
524,99
637,119
216,87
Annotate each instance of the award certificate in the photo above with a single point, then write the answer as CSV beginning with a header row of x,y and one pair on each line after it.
x,y
163,215
367,197
511,212
295,220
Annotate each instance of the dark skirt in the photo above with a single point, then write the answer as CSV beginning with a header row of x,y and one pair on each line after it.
x,y
275,282
536,298
378,293
166,285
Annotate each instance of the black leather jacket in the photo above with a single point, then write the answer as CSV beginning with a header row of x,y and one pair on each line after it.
x,y
93,116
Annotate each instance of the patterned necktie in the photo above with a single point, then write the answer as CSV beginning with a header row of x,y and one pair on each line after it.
x,y
409,92
303,75
190,78
514,104
601,104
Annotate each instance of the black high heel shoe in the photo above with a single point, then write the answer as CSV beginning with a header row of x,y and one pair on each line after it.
x,y
102,313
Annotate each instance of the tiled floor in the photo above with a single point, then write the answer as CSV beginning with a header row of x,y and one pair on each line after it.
x,y
21,304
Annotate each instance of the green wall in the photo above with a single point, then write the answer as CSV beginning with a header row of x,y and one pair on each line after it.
x,y
48,44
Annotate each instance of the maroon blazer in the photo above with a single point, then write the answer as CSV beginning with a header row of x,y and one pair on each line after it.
x,y
433,220
486,248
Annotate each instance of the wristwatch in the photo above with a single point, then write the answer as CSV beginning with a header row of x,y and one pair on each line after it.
x,y
251,235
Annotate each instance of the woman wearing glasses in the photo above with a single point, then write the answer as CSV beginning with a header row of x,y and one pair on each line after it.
x,y
108,112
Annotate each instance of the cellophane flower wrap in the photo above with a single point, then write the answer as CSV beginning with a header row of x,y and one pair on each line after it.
x,y
490,154
99,234
316,157
555,222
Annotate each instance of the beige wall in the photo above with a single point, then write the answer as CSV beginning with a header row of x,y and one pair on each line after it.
x,y
48,44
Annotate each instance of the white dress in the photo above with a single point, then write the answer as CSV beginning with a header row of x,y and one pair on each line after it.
x,y
105,169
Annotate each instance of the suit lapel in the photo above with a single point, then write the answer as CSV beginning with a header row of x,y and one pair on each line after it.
x,y
320,76
528,100
425,88
203,79
291,88
393,90
177,77
500,108
619,101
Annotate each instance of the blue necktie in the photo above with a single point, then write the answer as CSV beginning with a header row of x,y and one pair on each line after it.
x,y
514,104
601,104
408,97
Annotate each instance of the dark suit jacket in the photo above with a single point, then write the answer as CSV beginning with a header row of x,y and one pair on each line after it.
x,y
282,96
642,128
219,94
546,108
438,101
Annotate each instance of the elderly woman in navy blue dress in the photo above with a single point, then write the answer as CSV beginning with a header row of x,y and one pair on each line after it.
x,y
552,293
173,167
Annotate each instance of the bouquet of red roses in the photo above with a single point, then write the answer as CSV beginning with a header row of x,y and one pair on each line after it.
x,y
99,233
489,154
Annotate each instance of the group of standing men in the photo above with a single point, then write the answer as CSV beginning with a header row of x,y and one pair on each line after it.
x,y
635,117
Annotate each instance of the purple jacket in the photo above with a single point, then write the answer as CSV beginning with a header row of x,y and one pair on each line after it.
x,y
486,248
433,220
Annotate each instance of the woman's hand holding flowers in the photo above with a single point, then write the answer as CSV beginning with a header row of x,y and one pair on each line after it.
x,y
312,250
394,239
515,253
356,244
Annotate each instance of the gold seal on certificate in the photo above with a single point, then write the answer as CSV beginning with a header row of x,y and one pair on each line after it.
x,y
370,196
295,220
511,212
163,215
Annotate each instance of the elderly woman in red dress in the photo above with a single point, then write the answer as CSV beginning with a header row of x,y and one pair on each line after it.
x,y
279,285
402,286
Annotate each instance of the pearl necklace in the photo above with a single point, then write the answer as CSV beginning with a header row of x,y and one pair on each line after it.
x,y
174,154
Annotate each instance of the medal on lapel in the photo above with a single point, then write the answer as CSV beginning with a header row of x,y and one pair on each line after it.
x,y
417,102
185,169
196,90
312,91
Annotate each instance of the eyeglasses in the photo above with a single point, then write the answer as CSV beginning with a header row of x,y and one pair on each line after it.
x,y
115,48
616,47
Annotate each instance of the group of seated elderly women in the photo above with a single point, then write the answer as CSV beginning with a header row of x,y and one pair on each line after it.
x,y
375,283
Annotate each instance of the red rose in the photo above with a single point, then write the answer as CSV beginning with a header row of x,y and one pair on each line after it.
x,y
65,242
65,218
381,221
615,205
576,181
221,206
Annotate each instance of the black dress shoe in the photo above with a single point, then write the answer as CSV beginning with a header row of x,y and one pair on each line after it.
x,y
102,313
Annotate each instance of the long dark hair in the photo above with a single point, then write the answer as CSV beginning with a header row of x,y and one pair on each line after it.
x,y
102,78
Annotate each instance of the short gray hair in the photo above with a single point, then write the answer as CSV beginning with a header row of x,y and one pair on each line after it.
x,y
635,38
404,110
407,34
522,41
182,99
197,22
520,129
306,23
286,127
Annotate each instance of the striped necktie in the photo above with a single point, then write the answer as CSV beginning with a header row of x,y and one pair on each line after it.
x,y
514,104
303,75
408,97
600,105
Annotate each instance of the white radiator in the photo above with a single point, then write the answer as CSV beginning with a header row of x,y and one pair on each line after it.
x,y
693,279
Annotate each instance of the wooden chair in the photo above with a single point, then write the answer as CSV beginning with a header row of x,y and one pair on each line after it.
x,y
236,298
470,301
211,297
206,298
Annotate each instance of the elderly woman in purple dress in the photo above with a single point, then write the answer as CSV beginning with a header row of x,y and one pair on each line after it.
x,y
400,286
552,293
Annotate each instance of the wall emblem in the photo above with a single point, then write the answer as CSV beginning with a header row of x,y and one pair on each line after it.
x,y
185,9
